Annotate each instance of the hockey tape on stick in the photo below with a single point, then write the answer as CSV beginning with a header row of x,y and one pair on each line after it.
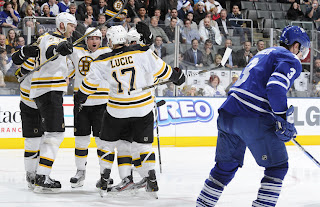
x,y
161,103
226,55
306,152
75,42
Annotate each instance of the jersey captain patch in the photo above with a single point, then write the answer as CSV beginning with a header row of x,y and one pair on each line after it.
x,y
84,65
117,5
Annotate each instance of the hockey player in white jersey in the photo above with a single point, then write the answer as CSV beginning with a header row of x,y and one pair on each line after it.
x,y
47,88
90,117
128,119
30,116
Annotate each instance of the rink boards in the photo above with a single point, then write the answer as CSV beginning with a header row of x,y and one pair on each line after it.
x,y
183,122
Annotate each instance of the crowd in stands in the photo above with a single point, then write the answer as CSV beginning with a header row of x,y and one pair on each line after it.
x,y
205,27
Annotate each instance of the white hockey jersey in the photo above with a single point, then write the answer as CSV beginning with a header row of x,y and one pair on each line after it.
x,y
127,69
51,77
82,58
25,85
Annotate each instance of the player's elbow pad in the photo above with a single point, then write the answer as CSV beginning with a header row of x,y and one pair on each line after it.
x,y
51,51
18,58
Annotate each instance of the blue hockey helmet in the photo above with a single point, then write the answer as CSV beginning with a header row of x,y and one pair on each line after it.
x,y
292,34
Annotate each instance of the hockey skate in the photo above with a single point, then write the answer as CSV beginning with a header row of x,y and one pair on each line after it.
x,y
30,177
141,184
44,184
104,182
152,185
124,185
78,180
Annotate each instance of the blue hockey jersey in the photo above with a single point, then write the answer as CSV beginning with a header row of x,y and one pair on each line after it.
x,y
262,86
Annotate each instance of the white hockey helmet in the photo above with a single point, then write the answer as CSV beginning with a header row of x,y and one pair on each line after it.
x,y
96,33
65,18
133,35
117,35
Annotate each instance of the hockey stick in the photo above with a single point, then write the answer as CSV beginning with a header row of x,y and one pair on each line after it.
x,y
158,104
306,152
223,62
75,42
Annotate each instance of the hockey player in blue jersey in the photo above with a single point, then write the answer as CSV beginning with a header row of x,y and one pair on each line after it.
x,y
255,115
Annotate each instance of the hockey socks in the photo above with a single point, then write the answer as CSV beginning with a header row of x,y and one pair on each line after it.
x,y
210,193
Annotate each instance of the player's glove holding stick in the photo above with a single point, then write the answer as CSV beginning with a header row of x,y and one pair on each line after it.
x,y
78,99
285,129
146,35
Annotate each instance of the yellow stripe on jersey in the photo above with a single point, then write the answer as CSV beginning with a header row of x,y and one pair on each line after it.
x,y
103,89
90,84
168,73
47,78
26,98
27,66
98,97
131,99
24,90
131,106
31,60
72,73
86,91
123,54
49,86
161,70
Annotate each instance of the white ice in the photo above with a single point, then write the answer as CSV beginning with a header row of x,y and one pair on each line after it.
x,y
184,171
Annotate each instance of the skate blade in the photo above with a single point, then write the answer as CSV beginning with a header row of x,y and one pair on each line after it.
x,y
78,184
31,186
152,195
39,189
122,194
102,193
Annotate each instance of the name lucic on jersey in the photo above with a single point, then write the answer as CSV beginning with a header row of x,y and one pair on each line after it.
x,y
121,61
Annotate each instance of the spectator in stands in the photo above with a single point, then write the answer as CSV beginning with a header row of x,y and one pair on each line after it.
x,y
217,61
101,19
199,12
99,8
52,6
170,29
193,55
234,79
238,25
190,90
208,53
104,41
157,13
174,13
131,7
21,43
126,22
187,33
157,31
212,22
224,23
211,4
232,59
46,11
295,13
3,63
3,44
11,39
313,12
169,91
210,32
142,14
82,9
73,11
193,24
215,14
9,17
159,49
89,12
182,13
64,6
316,76
15,5
213,88
260,46
35,7
245,54
164,5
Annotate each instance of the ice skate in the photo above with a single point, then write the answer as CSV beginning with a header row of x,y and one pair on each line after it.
x,y
78,180
124,185
44,184
152,185
141,184
30,177
104,182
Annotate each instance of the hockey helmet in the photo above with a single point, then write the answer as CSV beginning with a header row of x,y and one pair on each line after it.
x,y
65,18
133,35
96,33
292,34
117,35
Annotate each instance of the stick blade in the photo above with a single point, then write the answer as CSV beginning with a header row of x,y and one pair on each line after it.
x,y
226,55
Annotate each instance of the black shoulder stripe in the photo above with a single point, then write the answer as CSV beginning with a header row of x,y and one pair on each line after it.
x,y
105,55
56,35
137,47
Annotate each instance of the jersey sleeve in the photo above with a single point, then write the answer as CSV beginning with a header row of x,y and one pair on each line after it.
x,y
159,69
279,84
92,81
28,65
71,68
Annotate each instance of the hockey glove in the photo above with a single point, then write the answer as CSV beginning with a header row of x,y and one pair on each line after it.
x,y
30,51
146,35
79,99
64,48
177,76
285,129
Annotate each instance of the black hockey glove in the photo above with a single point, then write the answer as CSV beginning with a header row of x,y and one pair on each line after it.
x,y
79,99
64,48
177,76
146,35
30,51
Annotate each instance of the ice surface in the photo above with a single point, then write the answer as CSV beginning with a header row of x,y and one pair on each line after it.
x,y
184,171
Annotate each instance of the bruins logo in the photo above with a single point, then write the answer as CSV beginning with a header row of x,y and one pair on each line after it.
x,y
117,5
84,65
